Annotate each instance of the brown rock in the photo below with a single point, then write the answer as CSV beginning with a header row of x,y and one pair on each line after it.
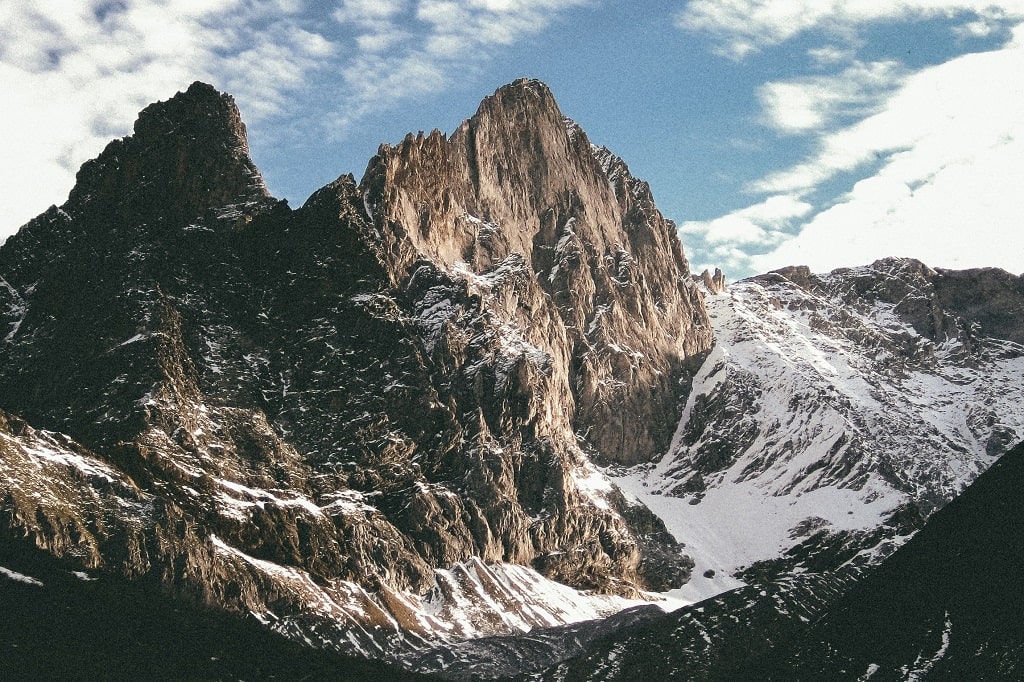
x,y
605,289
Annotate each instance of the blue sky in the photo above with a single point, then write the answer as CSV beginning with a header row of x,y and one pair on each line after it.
x,y
779,132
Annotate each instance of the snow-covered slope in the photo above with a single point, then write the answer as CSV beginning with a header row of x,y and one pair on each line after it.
x,y
829,403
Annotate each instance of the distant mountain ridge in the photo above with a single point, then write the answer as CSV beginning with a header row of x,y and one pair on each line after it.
x,y
836,405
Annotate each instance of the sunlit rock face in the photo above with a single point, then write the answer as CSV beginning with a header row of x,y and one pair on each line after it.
x,y
370,420
585,264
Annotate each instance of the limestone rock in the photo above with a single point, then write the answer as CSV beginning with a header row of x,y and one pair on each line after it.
x,y
715,284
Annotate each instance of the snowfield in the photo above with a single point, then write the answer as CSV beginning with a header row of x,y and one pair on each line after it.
x,y
814,414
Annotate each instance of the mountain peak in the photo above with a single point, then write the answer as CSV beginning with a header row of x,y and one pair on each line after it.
x,y
520,187
187,154
525,103
200,107
523,88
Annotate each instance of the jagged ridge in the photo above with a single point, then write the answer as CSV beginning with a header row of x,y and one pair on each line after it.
x,y
308,412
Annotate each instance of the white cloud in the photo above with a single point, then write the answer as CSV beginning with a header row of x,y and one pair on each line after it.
x,y
745,26
728,241
968,214
758,225
950,144
941,113
830,54
814,103
939,152
407,49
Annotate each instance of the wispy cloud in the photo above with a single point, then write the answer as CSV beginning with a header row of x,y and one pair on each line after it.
x,y
746,26
408,48
940,114
815,103
730,240
951,147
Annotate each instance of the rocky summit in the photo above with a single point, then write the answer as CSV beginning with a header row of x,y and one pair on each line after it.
x,y
371,422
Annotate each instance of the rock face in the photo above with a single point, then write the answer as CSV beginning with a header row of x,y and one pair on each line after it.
x,y
715,284
590,270
365,418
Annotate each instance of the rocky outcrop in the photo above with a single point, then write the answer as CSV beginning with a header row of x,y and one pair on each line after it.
x,y
315,413
990,300
718,639
912,325
90,625
715,284
938,304
187,155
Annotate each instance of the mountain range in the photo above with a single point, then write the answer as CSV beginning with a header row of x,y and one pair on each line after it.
x,y
471,415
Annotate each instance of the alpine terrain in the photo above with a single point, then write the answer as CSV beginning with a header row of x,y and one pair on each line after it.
x,y
945,606
369,423
471,415
835,413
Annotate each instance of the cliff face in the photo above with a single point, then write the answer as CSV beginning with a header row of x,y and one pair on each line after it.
x,y
602,285
368,417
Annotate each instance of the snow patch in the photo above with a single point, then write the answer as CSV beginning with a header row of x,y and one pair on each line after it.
x,y
921,667
256,497
20,577
593,484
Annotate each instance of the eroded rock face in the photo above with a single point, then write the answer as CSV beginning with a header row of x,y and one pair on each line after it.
x,y
715,284
331,404
602,284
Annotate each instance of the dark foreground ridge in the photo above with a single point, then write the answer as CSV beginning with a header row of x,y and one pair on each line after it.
x,y
85,627
946,606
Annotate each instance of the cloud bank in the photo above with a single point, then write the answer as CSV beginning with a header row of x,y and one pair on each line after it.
x,y
926,163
